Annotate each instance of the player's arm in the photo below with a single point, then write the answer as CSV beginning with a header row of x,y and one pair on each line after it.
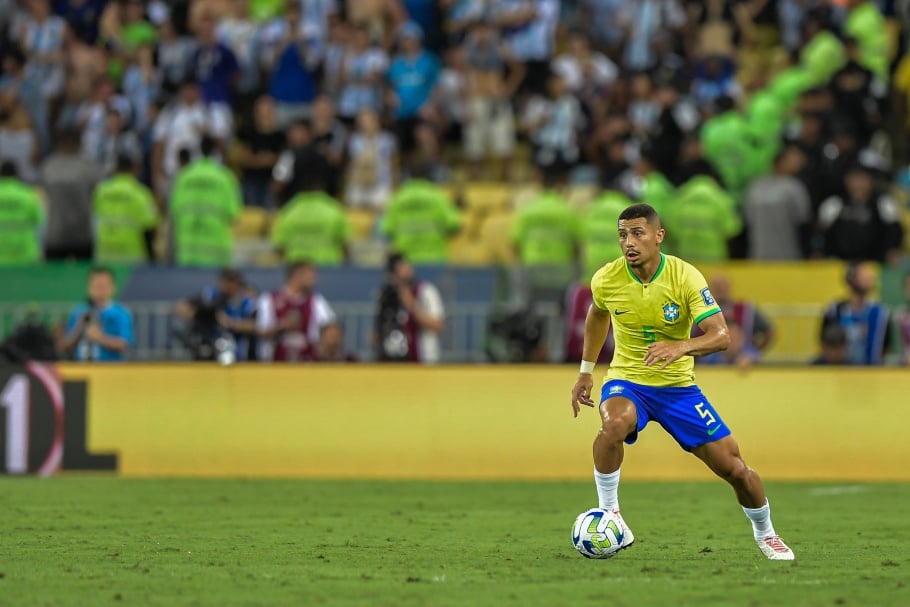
x,y
716,337
597,324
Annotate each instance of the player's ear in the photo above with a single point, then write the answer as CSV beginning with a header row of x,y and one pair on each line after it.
x,y
660,235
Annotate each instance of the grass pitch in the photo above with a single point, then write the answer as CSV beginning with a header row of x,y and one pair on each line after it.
x,y
105,541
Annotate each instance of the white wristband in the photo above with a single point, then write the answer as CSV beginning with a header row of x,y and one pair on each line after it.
x,y
587,367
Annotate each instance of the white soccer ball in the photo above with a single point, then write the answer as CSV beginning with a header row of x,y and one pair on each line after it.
x,y
597,534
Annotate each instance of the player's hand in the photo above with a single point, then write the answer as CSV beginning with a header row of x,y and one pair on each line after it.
x,y
581,392
668,352
93,333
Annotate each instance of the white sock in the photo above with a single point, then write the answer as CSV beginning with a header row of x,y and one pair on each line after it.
x,y
761,521
607,490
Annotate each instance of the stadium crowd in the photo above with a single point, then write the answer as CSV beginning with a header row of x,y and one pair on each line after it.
x,y
453,131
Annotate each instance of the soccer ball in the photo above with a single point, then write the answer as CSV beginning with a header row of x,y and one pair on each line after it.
x,y
597,534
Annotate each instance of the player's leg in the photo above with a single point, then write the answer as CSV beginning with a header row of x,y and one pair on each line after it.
x,y
619,420
723,458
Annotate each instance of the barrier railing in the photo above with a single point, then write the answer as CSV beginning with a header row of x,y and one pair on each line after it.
x,y
464,338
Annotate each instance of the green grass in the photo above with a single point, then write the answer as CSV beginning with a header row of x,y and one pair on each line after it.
x,y
106,541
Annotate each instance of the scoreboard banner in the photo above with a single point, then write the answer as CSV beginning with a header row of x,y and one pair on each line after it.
x,y
43,423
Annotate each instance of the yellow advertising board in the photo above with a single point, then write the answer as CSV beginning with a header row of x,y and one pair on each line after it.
x,y
477,422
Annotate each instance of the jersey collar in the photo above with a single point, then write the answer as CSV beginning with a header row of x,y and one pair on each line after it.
x,y
660,268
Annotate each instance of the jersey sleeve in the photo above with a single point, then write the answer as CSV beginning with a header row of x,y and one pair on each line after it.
x,y
599,289
698,295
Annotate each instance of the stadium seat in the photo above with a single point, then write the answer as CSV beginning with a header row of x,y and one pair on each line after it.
x,y
494,233
466,251
362,224
485,196
253,223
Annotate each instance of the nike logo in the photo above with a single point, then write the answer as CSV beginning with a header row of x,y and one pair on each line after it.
x,y
713,430
618,313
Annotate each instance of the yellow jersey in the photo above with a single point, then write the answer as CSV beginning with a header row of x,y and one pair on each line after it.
x,y
661,310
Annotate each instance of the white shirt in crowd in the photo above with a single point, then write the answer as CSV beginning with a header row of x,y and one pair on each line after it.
x,y
603,72
182,126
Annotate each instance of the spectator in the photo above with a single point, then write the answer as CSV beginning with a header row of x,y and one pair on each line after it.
x,y
778,211
361,75
546,231
833,347
21,218
331,346
298,163
715,77
43,36
293,81
312,227
644,108
289,321
214,66
204,204
373,164
27,92
865,322
902,326
68,180
553,124
740,353
125,216
173,56
227,309
141,87
672,144
866,23
648,27
238,32
420,220
259,148
863,224
703,218
530,32
859,95
491,79
182,125
754,325
411,316
412,76
330,137
18,142
100,329
587,73
115,142
82,17
599,231
91,115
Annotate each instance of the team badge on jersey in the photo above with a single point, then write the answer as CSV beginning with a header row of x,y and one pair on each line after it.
x,y
671,312
706,295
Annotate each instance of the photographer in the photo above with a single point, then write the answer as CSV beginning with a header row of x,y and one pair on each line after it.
x,y
99,329
410,317
220,317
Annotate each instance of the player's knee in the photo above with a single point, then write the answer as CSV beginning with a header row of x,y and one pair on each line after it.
x,y
616,429
735,471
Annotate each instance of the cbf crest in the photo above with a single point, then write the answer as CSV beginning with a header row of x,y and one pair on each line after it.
x,y
671,312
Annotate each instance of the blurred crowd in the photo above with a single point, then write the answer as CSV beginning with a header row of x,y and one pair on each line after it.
x,y
768,129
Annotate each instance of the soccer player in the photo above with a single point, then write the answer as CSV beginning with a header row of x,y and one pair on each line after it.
x,y
652,300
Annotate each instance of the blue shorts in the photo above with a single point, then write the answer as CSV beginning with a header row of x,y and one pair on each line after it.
x,y
683,412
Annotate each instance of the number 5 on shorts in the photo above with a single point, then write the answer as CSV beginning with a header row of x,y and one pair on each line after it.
x,y
705,414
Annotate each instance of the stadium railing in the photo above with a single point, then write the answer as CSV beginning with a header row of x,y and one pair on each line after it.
x,y
464,339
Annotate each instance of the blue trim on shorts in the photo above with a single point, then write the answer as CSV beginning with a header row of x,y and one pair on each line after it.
x,y
685,413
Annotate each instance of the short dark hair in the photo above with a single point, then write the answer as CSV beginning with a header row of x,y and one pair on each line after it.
x,y
96,270
298,265
125,164
8,169
233,275
208,146
640,211
393,260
